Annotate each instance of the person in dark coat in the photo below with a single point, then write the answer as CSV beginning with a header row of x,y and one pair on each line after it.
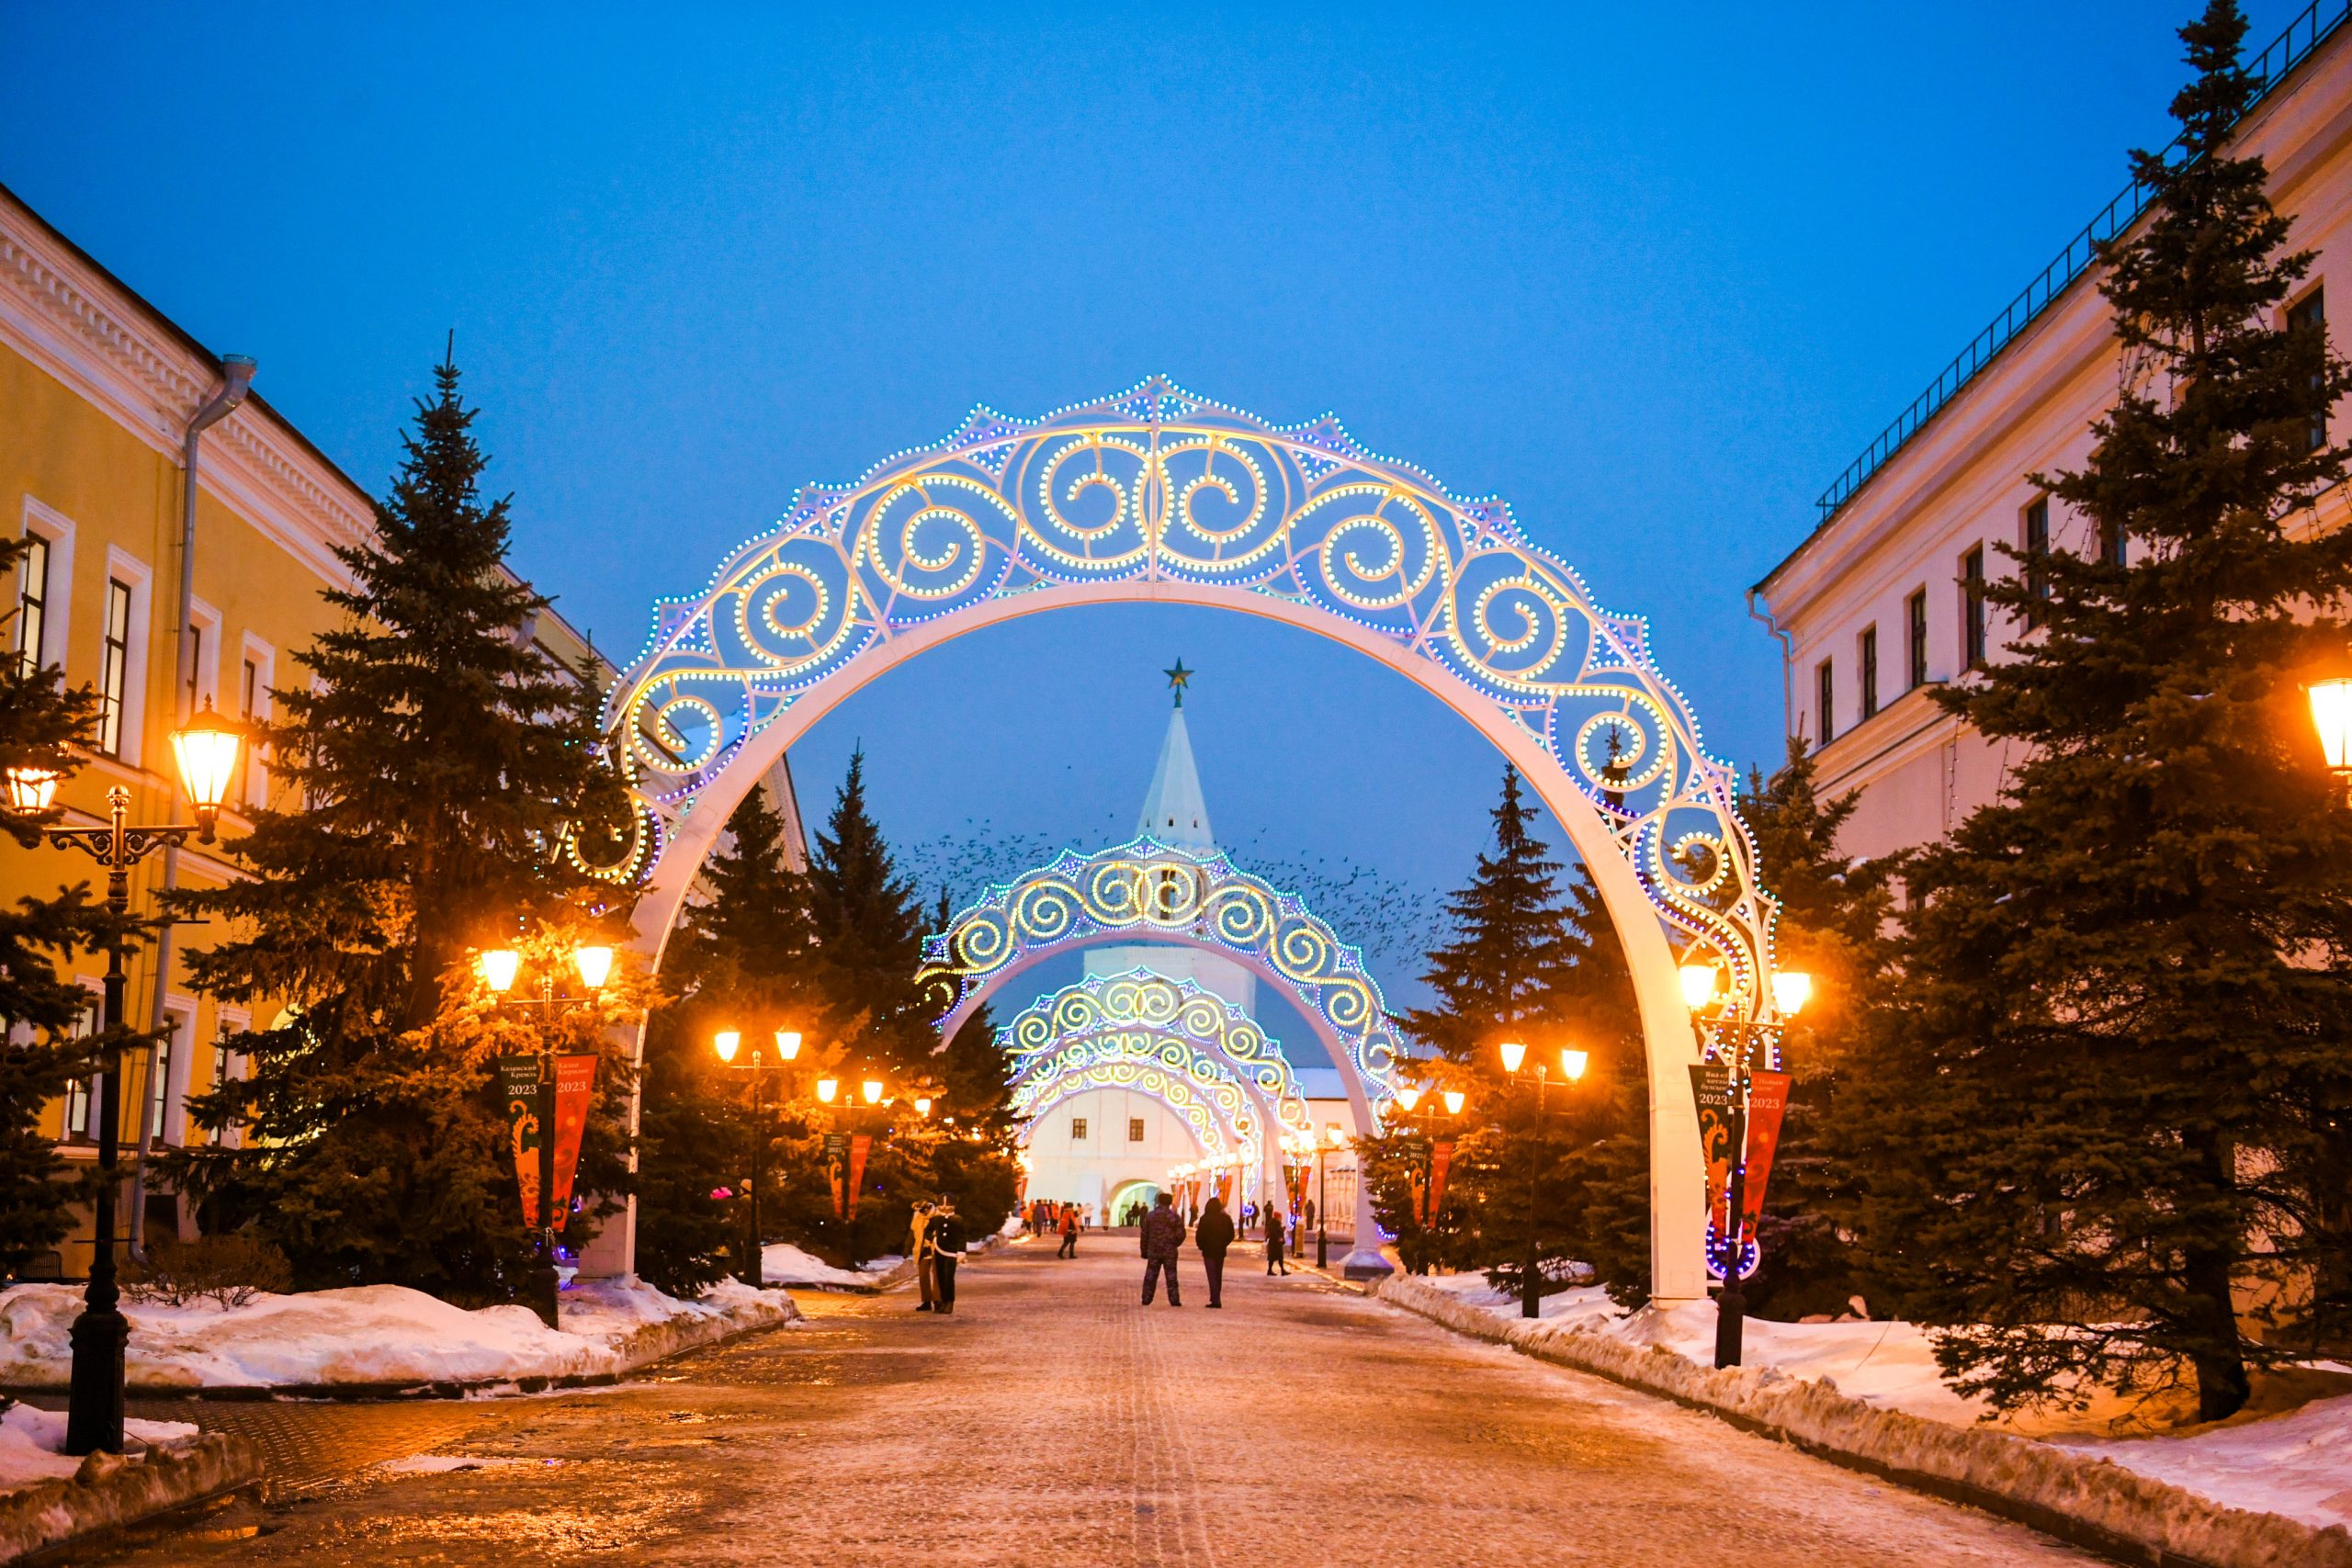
x,y
1162,1236
1275,1264
1070,1231
944,1236
1212,1235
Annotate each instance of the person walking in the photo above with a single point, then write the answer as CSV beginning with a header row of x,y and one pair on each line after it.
x,y
1070,1231
1275,1264
1162,1236
919,1249
1212,1235
945,1238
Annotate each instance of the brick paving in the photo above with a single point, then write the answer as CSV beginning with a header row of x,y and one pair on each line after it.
x,y
1054,1421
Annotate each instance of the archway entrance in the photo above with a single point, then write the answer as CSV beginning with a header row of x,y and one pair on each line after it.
x,y
1129,1200
1158,495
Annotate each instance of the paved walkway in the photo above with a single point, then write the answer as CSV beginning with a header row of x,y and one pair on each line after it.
x,y
1053,1421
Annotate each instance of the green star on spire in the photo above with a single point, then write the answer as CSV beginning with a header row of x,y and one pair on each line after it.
x,y
1177,679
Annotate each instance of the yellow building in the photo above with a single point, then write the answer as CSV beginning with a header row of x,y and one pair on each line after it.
x,y
98,391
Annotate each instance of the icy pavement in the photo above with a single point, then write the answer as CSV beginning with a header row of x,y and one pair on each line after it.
x,y
1054,1421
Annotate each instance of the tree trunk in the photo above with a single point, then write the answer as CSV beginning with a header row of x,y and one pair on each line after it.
x,y
2222,1387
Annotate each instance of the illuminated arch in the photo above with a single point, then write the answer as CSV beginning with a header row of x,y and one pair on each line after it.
x,y
1158,495
1172,1015
1175,1089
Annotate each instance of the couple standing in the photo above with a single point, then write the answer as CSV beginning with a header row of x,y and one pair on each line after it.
x,y
1163,1237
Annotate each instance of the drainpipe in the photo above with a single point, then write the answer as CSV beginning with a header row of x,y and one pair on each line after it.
x,y
236,377
1787,665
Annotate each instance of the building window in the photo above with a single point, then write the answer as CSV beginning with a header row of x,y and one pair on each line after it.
x,y
1825,687
2037,555
32,603
1135,1134
80,1096
1971,608
2310,314
1869,671
1077,1135
114,667
2110,544
1914,641
248,694
159,1082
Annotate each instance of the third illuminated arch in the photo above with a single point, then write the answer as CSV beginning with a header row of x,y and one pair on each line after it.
x,y
1157,495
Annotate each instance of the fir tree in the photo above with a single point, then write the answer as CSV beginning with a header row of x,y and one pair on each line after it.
x,y
428,768
867,931
41,720
1505,976
2106,1093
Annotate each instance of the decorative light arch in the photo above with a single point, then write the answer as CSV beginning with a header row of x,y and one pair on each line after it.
x,y
1173,1088
1158,495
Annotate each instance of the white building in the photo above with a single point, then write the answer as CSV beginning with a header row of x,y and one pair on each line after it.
x,y
1879,606
1106,1149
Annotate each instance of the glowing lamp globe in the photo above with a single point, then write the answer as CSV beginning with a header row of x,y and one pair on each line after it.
x,y
595,966
827,1089
2332,717
1454,1100
788,1044
32,789
1791,989
1410,1097
1332,1135
1573,1063
207,749
499,966
873,1087
1698,985
726,1042
1513,1053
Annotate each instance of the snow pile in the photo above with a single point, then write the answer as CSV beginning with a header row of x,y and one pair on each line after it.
x,y
32,1444
2051,1487
375,1336
781,1263
2298,1464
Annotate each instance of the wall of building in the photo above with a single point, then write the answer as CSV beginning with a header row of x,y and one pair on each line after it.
x,y
1961,485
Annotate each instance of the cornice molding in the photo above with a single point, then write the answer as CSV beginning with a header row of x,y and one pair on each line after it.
x,y
98,341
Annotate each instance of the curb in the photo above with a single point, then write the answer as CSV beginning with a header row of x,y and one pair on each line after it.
x,y
2090,1503
649,1346
111,1491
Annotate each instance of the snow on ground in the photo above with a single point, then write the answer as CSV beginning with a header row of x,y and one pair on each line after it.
x,y
368,1333
32,1444
2297,1463
784,1264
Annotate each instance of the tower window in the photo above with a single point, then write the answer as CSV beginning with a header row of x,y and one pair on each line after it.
x,y
1972,607
114,666
2308,314
1825,682
1135,1128
32,603
1078,1129
2036,553
1915,614
1869,673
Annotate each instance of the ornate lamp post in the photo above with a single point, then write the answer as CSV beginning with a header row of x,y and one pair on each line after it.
x,y
1572,1066
726,1042
1739,1039
1330,1140
1411,1099
499,968
207,751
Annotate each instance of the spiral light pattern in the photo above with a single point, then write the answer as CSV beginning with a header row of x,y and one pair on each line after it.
x,y
1158,487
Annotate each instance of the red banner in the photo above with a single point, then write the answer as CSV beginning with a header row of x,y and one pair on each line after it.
x,y
1441,1159
575,1086
859,1144
1712,1088
1767,1101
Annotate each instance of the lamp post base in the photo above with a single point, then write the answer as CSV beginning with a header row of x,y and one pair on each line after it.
x,y
542,1290
94,1415
1364,1263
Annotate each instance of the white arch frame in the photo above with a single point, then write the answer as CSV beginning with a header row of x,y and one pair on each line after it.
x,y
1158,495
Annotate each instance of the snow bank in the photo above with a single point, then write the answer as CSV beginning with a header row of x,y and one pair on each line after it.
x,y
782,1263
32,1443
376,1336
2298,1464
2078,1496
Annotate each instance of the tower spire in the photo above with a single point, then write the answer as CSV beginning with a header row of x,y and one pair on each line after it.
x,y
1173,809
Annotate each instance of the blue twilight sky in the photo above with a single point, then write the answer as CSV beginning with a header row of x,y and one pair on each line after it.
x,y
1654,273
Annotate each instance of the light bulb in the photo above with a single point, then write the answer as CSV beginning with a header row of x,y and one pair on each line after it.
x,y
726,1042
499,967
595,966
827,1089
1791,989
788,1044
1572,1062
1698,985
1513,1053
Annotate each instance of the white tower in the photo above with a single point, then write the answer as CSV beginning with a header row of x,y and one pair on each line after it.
x,y
1175,812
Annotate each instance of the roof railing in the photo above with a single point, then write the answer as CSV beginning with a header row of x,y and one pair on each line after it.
x,y
2304,34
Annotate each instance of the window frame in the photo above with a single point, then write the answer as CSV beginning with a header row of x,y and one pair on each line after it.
x,y
1134,1130
2310,309
1915,637
1971,608
2033,531
1078,1129
1824,701
1866,671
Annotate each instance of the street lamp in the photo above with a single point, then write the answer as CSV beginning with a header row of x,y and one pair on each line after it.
x,y
1790,988
873,1087
499,968
94,1415
2332,715
1572,1067
726,1043
1330,1140
827,1089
